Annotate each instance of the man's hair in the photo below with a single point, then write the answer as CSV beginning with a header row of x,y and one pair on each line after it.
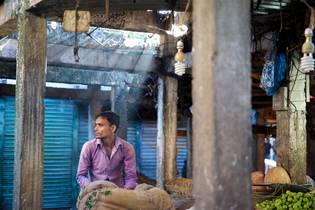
x,y
111,117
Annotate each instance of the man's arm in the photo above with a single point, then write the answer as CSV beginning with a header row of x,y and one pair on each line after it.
x,y
83,167
130,168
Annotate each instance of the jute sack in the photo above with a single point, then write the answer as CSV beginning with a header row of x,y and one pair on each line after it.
x,y
180,187
144,197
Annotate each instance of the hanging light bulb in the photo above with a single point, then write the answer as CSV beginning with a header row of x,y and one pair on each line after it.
x,y
307,61
180,58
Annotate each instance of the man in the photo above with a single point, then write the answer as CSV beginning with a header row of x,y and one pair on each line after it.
x,y
107,157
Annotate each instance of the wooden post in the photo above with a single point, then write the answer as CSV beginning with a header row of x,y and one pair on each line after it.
x,y
260,152
160,136
170,128
29,130
221,105
291,127
119,106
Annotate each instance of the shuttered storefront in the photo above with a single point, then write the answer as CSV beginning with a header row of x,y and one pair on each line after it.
x,y
148,150
64,128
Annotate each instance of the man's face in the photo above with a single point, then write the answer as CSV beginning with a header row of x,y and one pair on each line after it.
x,y
103,129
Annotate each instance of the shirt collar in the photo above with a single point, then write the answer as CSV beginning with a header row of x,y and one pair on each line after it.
x,y
117,142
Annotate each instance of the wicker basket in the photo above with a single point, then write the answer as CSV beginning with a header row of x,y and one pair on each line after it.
x,y
180,187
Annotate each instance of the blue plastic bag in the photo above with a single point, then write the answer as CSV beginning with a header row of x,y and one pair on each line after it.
x,y
273,74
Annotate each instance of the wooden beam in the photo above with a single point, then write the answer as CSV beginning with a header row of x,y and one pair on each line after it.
x,y
160,141
91,58
8,11
80,76
54,8
256,75
260,152
170,127
29,124
221,105
50,92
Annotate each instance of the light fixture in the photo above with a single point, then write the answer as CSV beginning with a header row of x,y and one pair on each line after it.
x,y
178,30
307,61
180,58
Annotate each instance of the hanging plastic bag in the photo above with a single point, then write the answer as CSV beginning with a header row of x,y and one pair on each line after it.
x,y
273,74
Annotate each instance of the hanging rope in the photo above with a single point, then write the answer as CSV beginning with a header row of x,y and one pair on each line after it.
x,y
76,45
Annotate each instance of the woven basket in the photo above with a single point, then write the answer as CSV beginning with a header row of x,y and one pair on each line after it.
x,y
180,187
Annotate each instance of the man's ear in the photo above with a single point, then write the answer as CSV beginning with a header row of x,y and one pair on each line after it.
x,y
113,127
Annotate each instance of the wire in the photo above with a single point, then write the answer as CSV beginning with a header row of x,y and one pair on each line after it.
x,y
281,17
307,4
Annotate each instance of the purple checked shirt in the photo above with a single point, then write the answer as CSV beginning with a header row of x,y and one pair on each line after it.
x,y
119,169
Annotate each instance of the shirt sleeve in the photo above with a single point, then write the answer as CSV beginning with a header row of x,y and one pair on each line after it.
x,y
83,167
130,168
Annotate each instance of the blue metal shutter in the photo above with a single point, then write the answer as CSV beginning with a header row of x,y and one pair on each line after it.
x,y
83,125
59,115
132,133
148,150
8,153
80,137
181,146
2,108
133,137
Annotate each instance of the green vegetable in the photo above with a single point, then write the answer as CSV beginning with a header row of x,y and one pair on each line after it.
x,y
289,201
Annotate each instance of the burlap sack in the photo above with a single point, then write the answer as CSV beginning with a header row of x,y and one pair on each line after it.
x,y
144,197
180,187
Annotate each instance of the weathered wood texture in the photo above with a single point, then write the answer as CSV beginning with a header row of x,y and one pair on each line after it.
x,y
291,129
280,100
160,142
260,152
8,11
170,127
119,106
130,20
291,145
221,105
55,8
29,130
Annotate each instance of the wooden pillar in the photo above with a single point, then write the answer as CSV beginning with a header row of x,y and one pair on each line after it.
x,y
291,127
221,104
29,124
119,106
95,106
260,152
160,136
260,140
170,128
